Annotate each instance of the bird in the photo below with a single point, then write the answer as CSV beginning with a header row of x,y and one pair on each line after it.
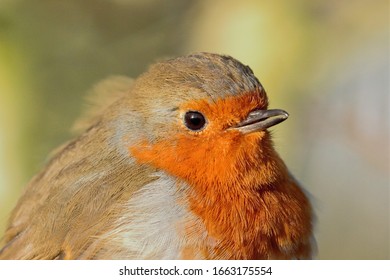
x,y
178,163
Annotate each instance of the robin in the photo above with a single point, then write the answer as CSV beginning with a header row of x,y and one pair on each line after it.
x,y
178,164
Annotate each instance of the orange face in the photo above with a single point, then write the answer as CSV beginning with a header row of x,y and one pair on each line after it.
x,y
215,153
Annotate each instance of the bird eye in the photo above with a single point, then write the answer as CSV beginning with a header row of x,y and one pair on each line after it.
x,y
194,120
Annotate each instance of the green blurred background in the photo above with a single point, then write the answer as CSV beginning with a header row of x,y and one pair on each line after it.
x,y
325,62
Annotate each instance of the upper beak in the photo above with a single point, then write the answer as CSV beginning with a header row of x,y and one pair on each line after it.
x,y
260,120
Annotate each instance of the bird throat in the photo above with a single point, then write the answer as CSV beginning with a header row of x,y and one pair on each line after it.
x,y
232,190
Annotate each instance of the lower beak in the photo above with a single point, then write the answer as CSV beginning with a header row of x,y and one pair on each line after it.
x,y
260,120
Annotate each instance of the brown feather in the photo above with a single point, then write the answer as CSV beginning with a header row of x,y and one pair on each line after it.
x,y
71,201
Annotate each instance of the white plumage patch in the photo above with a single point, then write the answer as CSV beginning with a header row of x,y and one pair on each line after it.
x,y
154,227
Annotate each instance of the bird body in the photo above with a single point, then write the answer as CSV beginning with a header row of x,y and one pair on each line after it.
x,y
177,165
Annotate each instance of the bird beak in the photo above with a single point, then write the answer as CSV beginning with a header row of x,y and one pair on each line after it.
x,y
260,120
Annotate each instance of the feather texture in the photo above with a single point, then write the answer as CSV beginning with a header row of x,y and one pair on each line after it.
x,y
138,183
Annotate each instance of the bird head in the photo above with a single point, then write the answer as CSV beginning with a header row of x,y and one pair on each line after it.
x,y
205,120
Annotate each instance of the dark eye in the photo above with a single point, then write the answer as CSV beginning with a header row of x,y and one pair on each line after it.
x,y
194,120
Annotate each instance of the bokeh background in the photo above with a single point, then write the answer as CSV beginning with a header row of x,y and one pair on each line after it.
x,y
325,62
